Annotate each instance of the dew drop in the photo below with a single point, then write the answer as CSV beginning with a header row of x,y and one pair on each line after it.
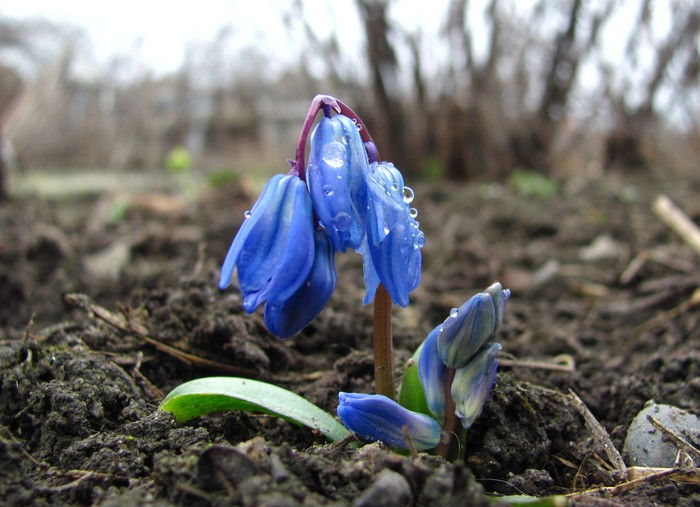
x,y
333,154
247,213
454,312
413,213
419,241
341,221
395,186
407,195
386,229
346,138
327,190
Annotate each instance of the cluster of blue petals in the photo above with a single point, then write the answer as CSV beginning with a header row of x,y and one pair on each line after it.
x,y
284,251
463,343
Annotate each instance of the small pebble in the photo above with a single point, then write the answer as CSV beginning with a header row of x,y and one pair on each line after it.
x,y
389,489
646,446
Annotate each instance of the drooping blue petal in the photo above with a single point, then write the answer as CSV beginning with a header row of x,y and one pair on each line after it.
x,y
337,182
291,316
473,382
376,417
432,373
273,250
370,274
394,238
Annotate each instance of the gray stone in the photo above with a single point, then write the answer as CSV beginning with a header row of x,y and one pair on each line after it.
x,y
646,446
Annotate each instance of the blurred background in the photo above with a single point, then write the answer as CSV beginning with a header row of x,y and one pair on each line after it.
x,y
456,89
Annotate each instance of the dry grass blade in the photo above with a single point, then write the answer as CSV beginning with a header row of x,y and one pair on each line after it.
x,y
130,326
678,221
674,437
599,434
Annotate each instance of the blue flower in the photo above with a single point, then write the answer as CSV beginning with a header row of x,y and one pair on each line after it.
x,y
473,382
432,373
376,417
391,251
294,314
274,248
336,179
471,326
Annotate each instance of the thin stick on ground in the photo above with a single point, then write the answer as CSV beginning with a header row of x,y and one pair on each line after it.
x,y
675,437
136,329
599,434
674,217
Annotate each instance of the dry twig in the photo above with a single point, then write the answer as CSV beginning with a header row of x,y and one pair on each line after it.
x,y
674,437
564,363
678,221
139,330
599,434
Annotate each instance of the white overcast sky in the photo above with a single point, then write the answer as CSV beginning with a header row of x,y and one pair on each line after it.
x,y
161,30
157,33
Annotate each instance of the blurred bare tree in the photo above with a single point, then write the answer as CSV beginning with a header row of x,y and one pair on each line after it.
x,y
500,86
628,143
11,37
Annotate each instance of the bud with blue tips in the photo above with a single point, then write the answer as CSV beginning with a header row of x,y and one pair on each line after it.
x,y
378,418
294,314
432,373
392,252
336,178
473,382
471,326
273,250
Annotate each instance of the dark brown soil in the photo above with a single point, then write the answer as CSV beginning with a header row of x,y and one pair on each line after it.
x,y
597,279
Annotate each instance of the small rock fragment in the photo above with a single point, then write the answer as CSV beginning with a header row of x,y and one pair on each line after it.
x,y
389,489
646,446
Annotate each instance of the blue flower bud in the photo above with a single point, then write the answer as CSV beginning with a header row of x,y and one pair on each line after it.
x,y
273,249
294,314
336,180
475,323
432,373
394,239
376,417
500,298
473,382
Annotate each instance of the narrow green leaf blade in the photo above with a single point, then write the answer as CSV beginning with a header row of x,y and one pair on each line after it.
x,y
215,394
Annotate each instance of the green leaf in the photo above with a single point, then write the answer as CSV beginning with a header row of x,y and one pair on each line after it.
x,y
215,394
412,394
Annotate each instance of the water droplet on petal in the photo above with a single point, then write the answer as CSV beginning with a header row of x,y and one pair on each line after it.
x,y
333,154
419,241
454,312
394,186
247,213
327,190
347,138
342,221
386,229
407,195
413,213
